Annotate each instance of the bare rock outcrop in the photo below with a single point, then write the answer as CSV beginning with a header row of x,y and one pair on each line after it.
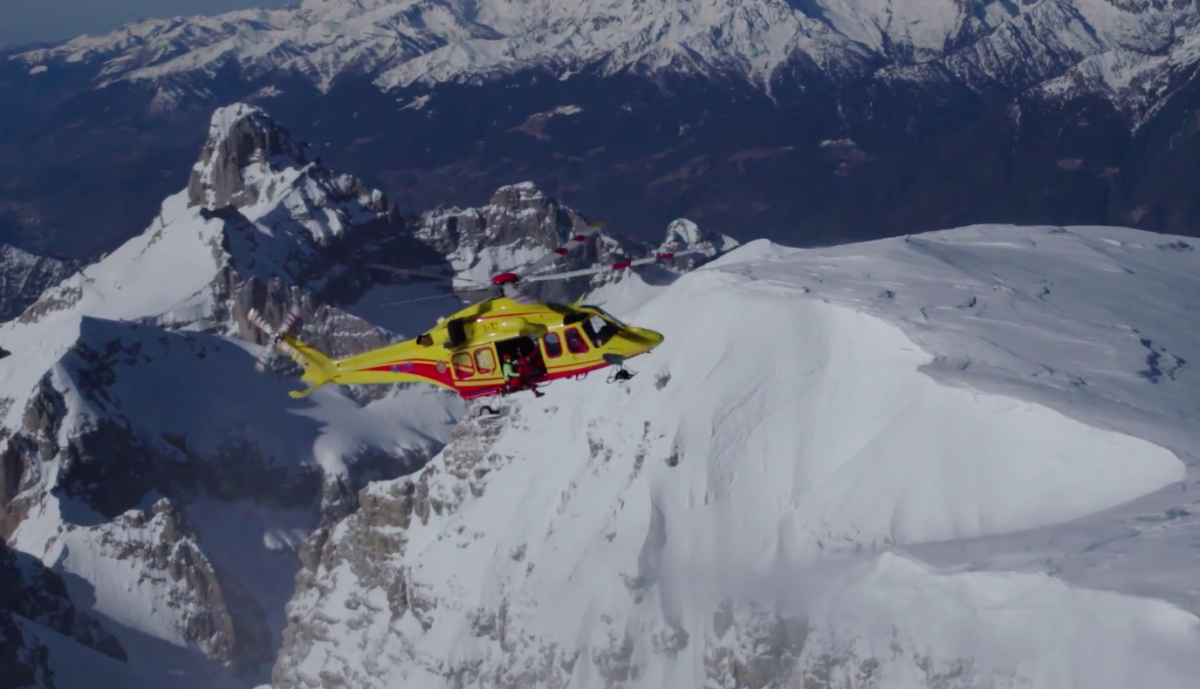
x,y
38,594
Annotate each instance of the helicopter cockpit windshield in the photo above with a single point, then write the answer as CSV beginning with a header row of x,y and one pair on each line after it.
x,y
607,316
600,329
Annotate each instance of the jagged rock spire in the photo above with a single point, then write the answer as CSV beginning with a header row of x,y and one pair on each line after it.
x,y
240,136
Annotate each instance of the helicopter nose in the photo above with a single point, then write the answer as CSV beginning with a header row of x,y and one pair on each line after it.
x,y
648,338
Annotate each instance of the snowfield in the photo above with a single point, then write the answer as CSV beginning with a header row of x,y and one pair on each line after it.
x,y
917,462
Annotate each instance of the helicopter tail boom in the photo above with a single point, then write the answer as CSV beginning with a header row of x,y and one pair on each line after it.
x,y
319,369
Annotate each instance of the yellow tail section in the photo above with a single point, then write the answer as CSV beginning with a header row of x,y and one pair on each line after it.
x,y
318,368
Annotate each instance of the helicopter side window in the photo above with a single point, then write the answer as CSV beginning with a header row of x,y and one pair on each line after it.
x,y
575,343
553,345
484,363
463,367
598,330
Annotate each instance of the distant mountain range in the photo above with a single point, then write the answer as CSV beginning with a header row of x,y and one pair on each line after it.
x,y
809,121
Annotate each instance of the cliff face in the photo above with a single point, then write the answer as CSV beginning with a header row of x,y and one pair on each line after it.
x,y
24,277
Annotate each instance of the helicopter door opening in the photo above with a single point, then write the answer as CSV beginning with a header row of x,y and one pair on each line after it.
x,y
525,350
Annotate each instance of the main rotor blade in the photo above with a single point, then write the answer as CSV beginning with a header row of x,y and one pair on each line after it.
x,y
409,301
576,240
517,294
411,272
612,267
470,296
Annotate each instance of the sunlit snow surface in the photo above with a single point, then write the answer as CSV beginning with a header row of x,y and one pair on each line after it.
x,y
976,446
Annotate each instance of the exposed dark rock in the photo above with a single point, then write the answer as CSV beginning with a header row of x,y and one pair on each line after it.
x,y
24,277
24,662
29,589
220,616
246,136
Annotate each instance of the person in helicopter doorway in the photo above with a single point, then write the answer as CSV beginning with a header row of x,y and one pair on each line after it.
x,y
516,377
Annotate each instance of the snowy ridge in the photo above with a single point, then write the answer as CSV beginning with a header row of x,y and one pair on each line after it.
x,y
403,42
1013,404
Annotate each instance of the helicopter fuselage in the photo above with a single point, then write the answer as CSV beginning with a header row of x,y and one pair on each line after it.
x,y
464,352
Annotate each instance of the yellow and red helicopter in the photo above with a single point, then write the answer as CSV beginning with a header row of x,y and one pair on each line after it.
x,y
465,352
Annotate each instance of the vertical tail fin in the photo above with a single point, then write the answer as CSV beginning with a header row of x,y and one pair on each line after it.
x,y
318,368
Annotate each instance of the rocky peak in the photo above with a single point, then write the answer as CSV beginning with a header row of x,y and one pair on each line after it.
x,y
208,605
283,219
244,146
517,213
25,276
685,235
518,196
519,225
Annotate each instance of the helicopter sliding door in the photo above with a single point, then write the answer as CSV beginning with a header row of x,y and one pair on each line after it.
x,y
525,351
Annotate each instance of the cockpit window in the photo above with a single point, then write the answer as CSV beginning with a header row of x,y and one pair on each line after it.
x,y
607,316
598,330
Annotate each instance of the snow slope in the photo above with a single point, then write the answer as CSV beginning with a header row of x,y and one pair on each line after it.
x,y
753,507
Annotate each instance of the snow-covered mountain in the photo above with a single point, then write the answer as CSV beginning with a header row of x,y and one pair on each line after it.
x,y
168,487
1126,50
946,113
146,462
957,459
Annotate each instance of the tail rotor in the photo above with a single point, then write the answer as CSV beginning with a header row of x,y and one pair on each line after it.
x,y
277,337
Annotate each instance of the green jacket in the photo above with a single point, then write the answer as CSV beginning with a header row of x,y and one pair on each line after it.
x,y
509,369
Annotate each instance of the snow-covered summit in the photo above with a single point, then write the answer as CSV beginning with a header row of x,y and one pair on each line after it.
x,y
685,235
401,42
252,163
959,459
244,147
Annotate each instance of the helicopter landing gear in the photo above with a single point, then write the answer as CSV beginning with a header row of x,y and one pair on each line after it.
x,y
486,414
619,375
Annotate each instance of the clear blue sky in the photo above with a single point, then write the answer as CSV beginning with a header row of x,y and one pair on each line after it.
x,y
27,21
